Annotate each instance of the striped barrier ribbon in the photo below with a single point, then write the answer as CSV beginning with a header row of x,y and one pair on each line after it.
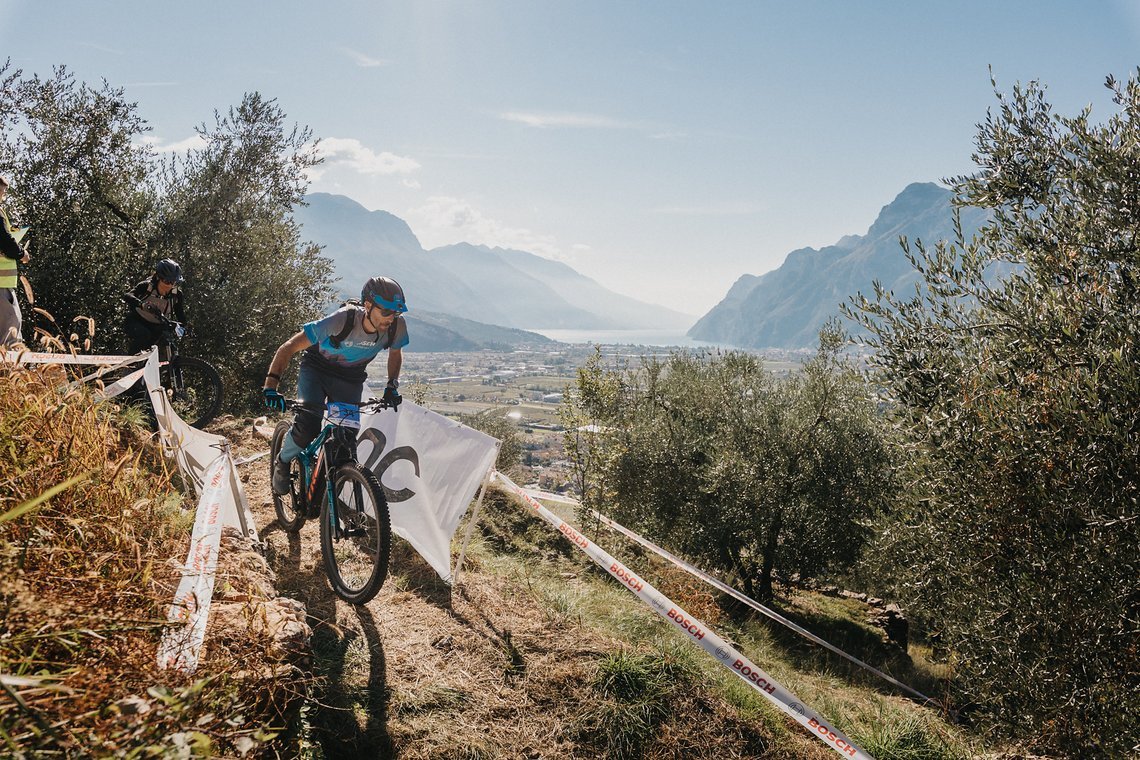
x,y
751,602
33,357
182,642
700,634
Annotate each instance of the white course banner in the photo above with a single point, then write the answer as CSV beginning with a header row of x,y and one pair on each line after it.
x,y
700,634
430,468
181,644
195,451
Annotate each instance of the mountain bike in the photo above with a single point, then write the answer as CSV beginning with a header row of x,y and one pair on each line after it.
x,y
328,482
192,385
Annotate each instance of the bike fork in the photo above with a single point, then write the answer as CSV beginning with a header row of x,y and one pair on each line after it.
x,y
341,529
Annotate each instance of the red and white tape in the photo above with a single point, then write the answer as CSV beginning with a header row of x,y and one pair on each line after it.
x,y
701,634
182,642
34,357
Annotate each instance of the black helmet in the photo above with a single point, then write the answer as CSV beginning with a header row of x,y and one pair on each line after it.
x,y
169,271
385,293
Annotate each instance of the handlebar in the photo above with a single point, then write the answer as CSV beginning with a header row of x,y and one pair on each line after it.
x,y
137,302
365,406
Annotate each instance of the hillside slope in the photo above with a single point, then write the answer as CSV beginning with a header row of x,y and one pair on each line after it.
x,y
535,654
538,654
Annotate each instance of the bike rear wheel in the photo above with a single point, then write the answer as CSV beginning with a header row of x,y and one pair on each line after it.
x,y
357,541
290,508
194,388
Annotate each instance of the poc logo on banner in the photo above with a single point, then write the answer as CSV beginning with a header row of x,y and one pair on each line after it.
x,y
379,465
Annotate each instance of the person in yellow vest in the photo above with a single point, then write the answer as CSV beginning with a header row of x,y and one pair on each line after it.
x,y
10,316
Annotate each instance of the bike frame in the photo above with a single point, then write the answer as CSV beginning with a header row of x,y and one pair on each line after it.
x,y
313,457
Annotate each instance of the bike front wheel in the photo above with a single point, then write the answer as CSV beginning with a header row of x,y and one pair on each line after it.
x,y
194,388
290,507
356,534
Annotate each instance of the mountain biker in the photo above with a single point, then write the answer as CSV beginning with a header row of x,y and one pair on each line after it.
x,y
338,349
161,294
10,252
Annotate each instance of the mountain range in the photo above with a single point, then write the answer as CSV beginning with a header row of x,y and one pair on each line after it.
x,y
492,286
467,297
786,307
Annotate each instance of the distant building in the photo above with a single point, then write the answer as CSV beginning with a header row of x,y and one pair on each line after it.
x,y
448,379
552,398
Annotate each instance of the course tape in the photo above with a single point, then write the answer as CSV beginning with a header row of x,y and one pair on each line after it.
x,y
751,602
182,642
205,460
701,634
33,357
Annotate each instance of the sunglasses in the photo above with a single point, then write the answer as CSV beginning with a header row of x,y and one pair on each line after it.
x,y
386,312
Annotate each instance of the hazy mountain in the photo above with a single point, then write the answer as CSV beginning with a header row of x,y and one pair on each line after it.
x,y
363,244
550,294
443,332
493,286
786,307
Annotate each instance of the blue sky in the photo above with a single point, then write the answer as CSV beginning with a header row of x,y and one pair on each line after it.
x,y
662,148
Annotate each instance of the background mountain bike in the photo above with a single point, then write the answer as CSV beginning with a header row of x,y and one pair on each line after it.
x,y
326,481
193,386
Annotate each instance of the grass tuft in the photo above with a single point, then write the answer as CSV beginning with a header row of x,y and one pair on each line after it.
x,y
636,694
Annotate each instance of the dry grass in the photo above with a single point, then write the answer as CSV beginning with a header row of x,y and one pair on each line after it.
x,y
85,581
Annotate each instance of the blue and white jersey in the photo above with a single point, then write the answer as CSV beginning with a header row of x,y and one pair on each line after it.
x,y
358,347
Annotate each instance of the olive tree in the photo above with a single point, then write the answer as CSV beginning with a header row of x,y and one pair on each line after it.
x,y
83,182
1019,397
104,207
745,473
227,218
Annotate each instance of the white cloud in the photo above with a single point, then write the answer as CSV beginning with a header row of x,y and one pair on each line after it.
x,y
347,151
444,220
362,60
194,142
574,120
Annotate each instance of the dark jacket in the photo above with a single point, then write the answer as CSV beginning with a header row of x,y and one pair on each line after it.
x,y
8,245
170,306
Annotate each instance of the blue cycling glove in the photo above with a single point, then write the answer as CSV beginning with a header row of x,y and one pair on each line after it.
x,y
273,399
392,398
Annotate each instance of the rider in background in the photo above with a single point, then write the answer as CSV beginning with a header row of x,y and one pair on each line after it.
x,y
338,349
161,294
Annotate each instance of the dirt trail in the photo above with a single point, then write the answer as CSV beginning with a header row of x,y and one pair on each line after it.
x,y
422,671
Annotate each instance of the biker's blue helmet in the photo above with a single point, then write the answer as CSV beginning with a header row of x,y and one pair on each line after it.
x,y
385,293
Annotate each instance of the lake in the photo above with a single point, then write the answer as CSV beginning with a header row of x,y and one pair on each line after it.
x,y
626,338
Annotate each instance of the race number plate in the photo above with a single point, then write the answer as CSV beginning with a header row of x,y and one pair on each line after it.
x,y
344,415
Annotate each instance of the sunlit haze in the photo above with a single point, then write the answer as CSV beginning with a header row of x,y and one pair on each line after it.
x,y
662,148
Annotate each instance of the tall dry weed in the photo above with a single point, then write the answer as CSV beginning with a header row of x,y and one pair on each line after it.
x,y
85,580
